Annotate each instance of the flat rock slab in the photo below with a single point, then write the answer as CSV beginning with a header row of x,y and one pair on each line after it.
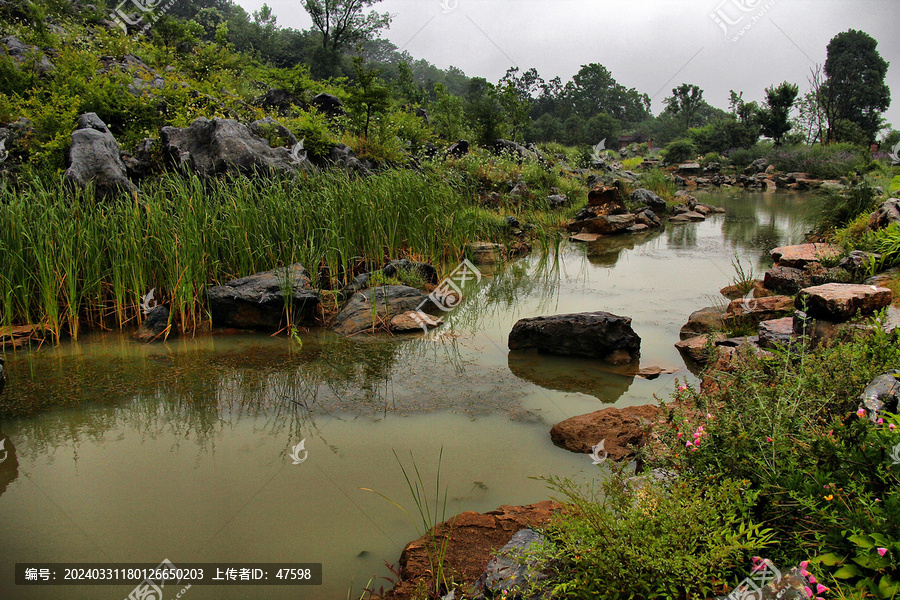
x,y
654,372
618,429
486,253
801,255
842,301
376,308
19,336
414,321
776,332
585,237
258,301
594,334
607,224
760,309
687,217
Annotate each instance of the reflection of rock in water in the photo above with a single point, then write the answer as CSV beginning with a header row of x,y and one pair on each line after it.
x,y
573,375
9,464
605,251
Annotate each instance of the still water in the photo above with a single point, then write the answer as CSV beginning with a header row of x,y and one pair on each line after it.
x,y
181,451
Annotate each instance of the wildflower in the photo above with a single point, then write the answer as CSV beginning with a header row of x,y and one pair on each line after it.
x,y
708,416
680,434
882,551
768,439
861,412
689,444
880,421
892,427
803,566
812,578
808,591
829,497
696,435
821,589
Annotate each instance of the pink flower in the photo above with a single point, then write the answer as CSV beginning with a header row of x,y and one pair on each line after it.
x,y
808,591
768,439
708,416
880,421
882,551
892,427
682,388
821,589
689,444
812,578
861,412
803,566
680,434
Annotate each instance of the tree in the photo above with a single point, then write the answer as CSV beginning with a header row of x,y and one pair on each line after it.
x,y
685,101
370,95
484,110
775,117
594,90
811,118
855,84
342,22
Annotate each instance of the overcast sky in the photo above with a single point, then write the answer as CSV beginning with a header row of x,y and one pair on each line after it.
x,y
651,45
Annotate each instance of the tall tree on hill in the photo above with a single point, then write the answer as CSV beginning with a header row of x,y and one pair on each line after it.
x,y
343,23
854,83
775,117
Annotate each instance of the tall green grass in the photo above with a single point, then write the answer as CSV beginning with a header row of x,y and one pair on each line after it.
x,y
71,260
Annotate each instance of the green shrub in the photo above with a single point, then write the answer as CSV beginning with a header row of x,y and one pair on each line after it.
x,y
833,209
649,539
660,183
679,151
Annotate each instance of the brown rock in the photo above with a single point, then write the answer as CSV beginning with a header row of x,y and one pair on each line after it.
x,y
776,332
654,372
803,254
887,213
695,348
412,321
19,336
760,309
607,224
606,201
733,292
787,280
473,538
705,320
486,253
840,302
620,428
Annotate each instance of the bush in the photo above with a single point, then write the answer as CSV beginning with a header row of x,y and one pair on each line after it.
x,y
647,539
822,162
679,151
837,209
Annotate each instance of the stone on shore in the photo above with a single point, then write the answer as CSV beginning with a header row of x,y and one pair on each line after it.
x,y
840,302
594,334
258,301
620,430
800,255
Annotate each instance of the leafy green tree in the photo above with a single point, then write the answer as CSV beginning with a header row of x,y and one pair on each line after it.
x,y
446,113
342,23
685,102
593,90
370,95
855,85
484,111
406,87
775,117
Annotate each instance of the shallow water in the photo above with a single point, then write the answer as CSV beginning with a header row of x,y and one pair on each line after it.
x,y
181,450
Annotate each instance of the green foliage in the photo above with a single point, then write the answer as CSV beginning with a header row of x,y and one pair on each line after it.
x,y
782,425
774,118
314,129
837,209
685,102
660,183
649,539
873,568
369,97
679,151
822,162
887,243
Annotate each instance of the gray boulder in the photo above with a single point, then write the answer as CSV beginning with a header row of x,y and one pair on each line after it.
x,y
887,213
279,100
593,334
881,395
648,198
344,157
514,149
514,571
328,104
95,158
217,146
25,55
258,301
459,149
375,308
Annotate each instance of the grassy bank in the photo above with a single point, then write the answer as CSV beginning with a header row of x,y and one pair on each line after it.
x,y
72,261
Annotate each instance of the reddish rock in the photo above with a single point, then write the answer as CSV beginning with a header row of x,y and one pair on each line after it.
x,y
803,254
842,301
620,428
695,348
776,332
760,309
787,280
473,538
733,292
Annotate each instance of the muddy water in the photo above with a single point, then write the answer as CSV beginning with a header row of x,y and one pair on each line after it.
x,y
181,451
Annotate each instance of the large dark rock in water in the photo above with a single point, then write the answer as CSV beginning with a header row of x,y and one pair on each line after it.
x,y
258,301
648,198
594,334
375,308
225,146
94,158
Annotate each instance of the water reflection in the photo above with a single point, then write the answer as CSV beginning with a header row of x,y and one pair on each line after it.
x,y
9,462
606,251
570,375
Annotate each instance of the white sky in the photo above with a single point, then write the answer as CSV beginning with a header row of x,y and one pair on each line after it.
x,y
651,45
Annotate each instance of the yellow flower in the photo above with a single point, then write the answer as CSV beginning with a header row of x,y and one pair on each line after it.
x,y
829,497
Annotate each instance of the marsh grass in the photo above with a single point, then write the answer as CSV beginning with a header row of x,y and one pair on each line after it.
x,y
73,261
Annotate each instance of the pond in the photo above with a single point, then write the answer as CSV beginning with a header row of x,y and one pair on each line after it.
x,y
182,451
